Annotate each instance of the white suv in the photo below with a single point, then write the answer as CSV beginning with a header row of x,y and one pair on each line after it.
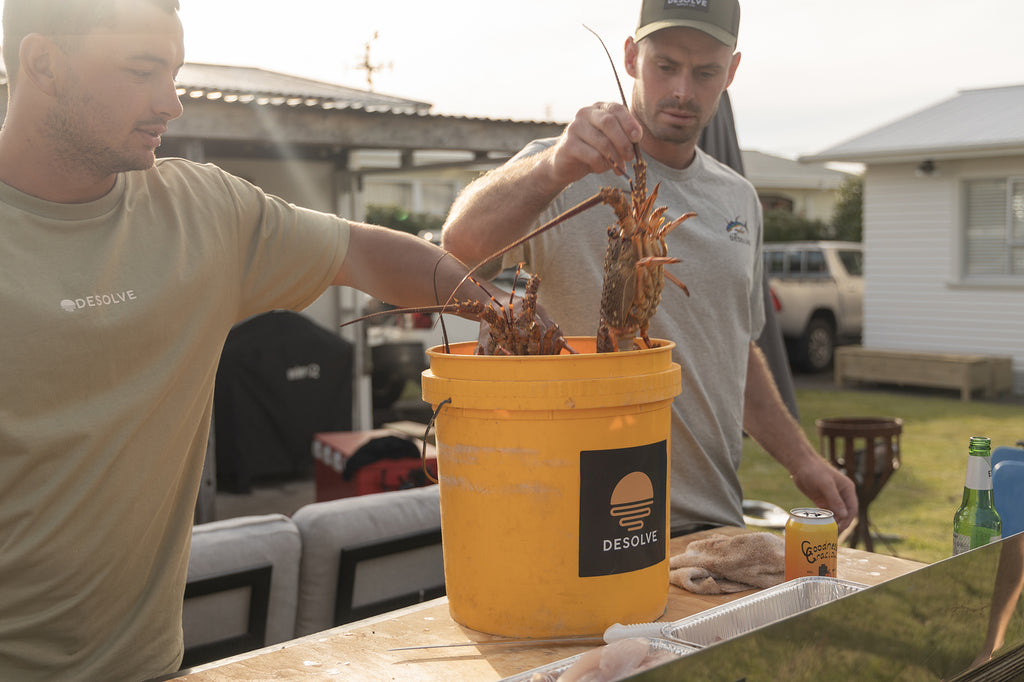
x,y
817,289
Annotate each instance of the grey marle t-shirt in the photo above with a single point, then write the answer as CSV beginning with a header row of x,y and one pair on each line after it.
x,y
720,251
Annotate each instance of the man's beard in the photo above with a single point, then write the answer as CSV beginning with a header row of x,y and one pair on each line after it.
x,y
79,147
671,133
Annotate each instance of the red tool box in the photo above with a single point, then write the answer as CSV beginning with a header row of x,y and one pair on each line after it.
x,y
385,463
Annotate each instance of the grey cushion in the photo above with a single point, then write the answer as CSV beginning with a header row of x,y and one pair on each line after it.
x,y
329,527
236,544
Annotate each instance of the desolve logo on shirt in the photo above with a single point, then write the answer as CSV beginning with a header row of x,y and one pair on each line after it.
x,y
70,305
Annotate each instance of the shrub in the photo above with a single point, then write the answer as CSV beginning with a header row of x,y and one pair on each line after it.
x,y
784,226
847,217
396,217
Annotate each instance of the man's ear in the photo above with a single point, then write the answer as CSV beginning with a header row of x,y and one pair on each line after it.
x,y
39,62
631,50
734,64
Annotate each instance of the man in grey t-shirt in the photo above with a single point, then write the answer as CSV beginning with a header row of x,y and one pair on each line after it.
x,y
682,58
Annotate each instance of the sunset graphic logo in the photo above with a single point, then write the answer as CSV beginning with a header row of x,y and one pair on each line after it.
x,y
632,500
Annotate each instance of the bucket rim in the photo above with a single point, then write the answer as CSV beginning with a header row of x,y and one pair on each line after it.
x,y
580,341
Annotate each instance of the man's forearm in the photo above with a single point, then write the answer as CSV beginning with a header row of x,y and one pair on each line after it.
x,y
767,420
401,269
499,207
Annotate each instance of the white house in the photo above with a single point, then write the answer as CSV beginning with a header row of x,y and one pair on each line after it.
x,y
809,190
944,227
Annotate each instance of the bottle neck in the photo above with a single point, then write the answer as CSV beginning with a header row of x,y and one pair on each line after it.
x,y
978,498
980,446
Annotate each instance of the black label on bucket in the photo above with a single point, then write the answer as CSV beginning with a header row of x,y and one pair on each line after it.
x,y
622,509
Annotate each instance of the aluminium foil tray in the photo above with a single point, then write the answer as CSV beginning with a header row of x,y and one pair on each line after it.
x,y
758,610
717,624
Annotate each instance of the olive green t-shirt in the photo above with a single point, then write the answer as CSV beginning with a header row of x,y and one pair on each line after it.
x,y
114,315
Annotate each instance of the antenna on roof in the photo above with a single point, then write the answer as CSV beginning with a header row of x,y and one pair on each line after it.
x,y
368,66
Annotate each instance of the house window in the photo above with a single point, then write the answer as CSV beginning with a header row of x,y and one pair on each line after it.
x,y
994,230
774,202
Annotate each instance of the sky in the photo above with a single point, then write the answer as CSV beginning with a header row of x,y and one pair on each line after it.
x,y
814,73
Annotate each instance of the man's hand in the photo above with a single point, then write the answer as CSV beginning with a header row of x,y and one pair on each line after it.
x,y
828,488
505,203
600,138
767,420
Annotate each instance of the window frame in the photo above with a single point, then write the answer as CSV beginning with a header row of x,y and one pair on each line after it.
x,y
1014,204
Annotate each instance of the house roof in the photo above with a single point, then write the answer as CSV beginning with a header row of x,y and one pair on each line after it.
x,y
316,119
249,84
775,172
982,122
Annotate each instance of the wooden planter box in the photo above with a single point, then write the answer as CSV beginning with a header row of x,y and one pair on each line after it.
x,y
967,373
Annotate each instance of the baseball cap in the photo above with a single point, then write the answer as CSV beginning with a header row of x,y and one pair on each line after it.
x,y
720,19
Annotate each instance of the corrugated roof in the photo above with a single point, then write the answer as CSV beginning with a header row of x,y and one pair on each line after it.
x,y
249,84
767,171
982,122
246,84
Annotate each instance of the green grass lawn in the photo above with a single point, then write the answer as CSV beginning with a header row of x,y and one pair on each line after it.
x,y
914,511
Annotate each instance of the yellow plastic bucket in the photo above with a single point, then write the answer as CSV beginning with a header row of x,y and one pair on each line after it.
x,y
554,475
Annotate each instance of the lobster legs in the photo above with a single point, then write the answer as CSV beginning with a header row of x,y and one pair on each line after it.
x,y
634,272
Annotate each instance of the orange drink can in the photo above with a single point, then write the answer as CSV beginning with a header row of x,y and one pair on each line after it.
x,y
812,542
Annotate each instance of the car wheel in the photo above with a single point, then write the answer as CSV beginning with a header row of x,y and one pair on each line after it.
x,y
817,345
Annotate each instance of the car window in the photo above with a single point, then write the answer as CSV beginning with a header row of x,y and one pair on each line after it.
x,y
794,262
853,261
814,263
774,262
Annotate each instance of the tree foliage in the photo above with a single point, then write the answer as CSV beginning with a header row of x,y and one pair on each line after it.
x,y
399,218
848,215
781,225
784,226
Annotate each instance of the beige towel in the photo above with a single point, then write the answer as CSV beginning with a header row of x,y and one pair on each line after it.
x,y
729,563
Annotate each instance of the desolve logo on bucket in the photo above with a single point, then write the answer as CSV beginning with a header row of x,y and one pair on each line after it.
x,y
632,500
623,509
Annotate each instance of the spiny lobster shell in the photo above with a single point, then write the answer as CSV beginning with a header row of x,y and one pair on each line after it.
x,y
633,263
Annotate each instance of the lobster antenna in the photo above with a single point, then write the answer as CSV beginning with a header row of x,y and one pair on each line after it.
x,y
618,81
578,208
611,61
440,316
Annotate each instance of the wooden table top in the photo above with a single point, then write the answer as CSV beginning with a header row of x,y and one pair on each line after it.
x,y
360,650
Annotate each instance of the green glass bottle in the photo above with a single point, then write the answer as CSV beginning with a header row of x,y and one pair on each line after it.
x,y
977,522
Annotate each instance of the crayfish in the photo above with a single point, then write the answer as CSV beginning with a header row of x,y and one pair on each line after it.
x,y
635,260
636,256
510,331
513,333
634,272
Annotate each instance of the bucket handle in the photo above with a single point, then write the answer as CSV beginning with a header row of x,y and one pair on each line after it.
x,y
426,436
